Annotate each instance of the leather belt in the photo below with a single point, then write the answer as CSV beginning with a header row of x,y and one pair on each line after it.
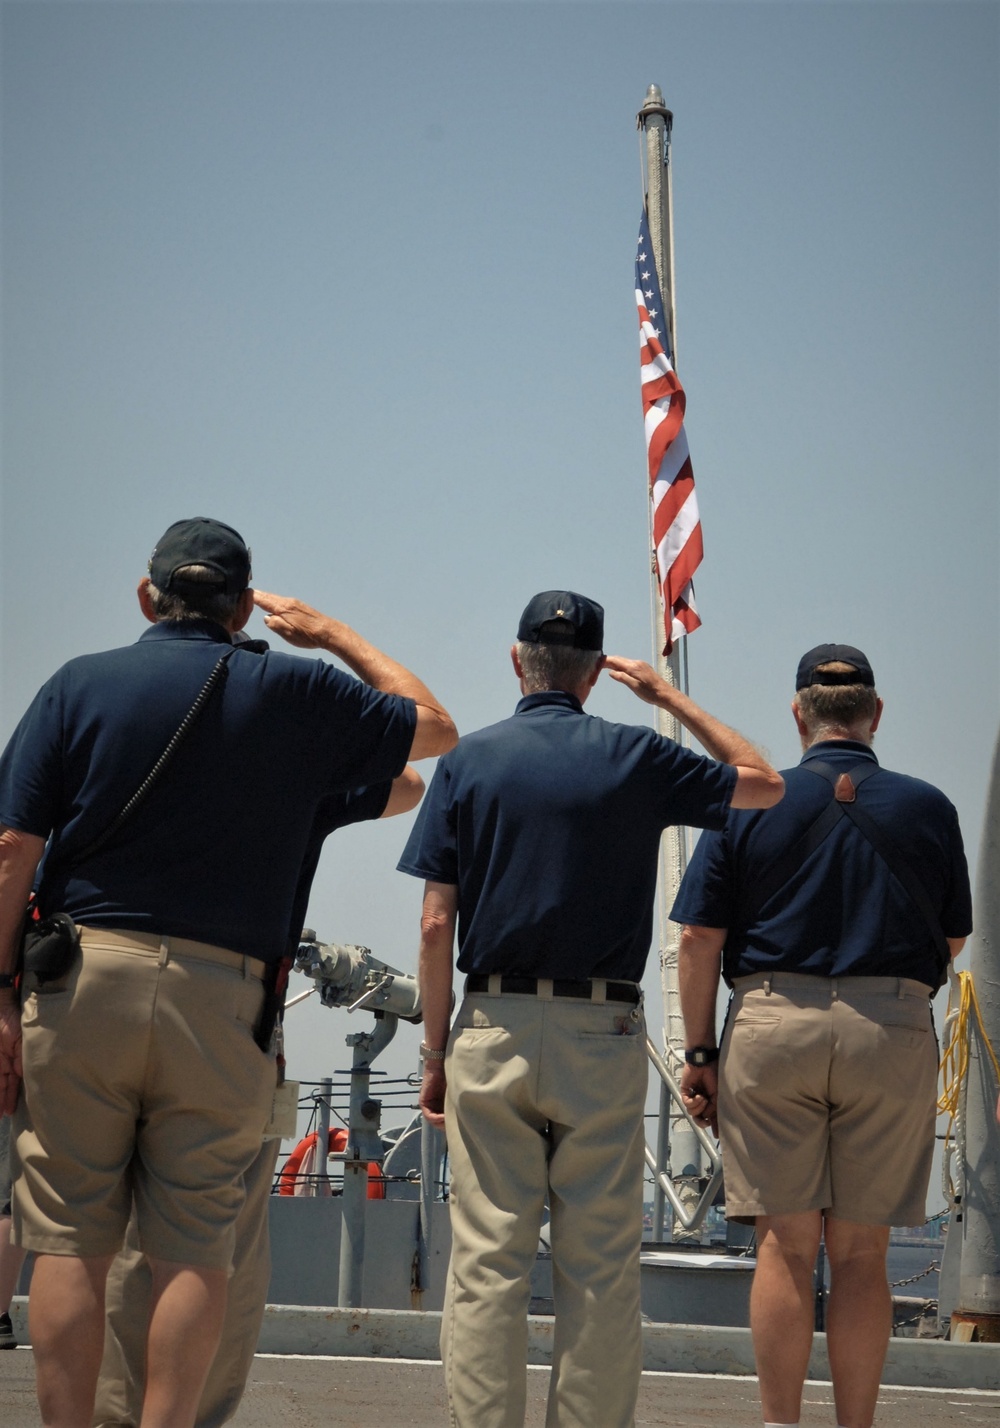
x,y
528,987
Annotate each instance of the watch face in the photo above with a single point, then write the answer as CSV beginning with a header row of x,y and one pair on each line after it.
x,y
700,1056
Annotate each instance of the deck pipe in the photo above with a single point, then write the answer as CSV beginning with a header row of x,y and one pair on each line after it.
x,y
977,1314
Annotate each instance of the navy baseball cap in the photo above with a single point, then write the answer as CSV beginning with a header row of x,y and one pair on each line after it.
x,y
859,673
201,541
584,621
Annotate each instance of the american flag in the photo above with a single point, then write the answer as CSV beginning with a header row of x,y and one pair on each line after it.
x,y
676,526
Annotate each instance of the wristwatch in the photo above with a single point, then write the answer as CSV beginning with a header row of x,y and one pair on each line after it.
x,y
7,979
701,1055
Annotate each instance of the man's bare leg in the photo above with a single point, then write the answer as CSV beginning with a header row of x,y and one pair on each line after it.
x,y
858,1316
188,1306
66,1316
782,1311
123,1368
11,1260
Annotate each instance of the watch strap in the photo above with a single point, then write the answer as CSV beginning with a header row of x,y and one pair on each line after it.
x,y
701,1055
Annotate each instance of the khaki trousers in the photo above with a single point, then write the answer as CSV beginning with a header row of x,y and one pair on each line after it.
x,y
545,1101
121,1385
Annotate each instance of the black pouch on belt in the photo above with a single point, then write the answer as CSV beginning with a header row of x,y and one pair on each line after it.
x,y
50,949
275,986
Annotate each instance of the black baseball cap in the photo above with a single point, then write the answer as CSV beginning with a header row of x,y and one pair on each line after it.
x,y
584,619
859,673
201,541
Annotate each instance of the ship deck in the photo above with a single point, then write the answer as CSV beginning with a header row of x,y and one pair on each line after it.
x,y
322,1392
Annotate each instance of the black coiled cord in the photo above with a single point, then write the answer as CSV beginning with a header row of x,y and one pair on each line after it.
x,y
219,673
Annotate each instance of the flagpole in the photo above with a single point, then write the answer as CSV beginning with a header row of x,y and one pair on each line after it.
x,y
676,1136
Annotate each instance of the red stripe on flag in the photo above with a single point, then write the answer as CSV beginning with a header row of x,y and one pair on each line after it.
x,y
662,387
662,438
672,503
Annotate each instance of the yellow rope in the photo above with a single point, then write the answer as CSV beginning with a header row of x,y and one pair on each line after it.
x,y
955,1056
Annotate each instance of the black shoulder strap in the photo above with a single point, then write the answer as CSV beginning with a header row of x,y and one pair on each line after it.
x,y
895,860
788,863
857,775
891,855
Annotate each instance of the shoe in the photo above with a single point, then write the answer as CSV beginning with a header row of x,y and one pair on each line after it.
x,y
7,1339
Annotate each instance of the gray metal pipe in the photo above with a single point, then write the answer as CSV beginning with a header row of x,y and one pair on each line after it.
x,y
364,1144
430,1159
662,1161
656,121
320,1160
355,1190
979,1282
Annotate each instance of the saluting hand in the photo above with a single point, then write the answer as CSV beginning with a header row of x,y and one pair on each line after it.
x,y
640,677
294,621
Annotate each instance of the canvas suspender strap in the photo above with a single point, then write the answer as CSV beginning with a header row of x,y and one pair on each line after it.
x,y
787,864
892,856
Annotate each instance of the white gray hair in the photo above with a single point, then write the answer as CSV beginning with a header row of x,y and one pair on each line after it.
x,y
555,666
833,709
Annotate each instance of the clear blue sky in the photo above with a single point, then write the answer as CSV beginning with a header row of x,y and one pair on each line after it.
x,y
357,278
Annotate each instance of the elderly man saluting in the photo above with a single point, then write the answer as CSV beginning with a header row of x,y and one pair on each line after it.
x,y
538,839
833,918
177,781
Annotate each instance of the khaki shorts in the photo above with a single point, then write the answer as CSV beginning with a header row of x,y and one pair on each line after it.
x,y
827,1090
141,1077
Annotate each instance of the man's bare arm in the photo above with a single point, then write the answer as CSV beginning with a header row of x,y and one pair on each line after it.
x,y
308,629
20,854
699,964
437,938
758,785
955,945
406,792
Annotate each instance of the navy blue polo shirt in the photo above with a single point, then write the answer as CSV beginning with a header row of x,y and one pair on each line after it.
x,y
843,913
549,824
216,851
336,811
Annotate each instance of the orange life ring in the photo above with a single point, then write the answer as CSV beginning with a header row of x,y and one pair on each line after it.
x,y
338,1142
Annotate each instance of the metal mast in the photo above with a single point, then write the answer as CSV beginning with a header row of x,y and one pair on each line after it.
x,y
656,121
977,1314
